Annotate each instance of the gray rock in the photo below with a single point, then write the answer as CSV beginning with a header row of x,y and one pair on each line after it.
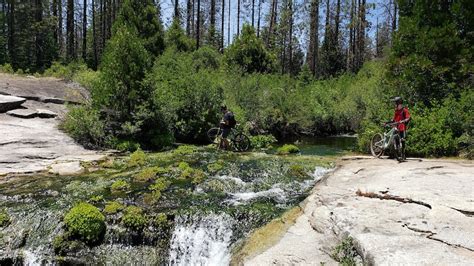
x,y
43,113
8,103
414,213
66,168
22,113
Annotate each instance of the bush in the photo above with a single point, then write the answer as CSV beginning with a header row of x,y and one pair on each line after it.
x,y
262,141
298,171
126,145
113,207
147,174
134,218
7,68
84,125
138,158
185,150
120,185
4,218
288,149
85,222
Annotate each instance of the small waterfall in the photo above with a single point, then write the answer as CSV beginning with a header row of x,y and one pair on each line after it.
x,y
201,240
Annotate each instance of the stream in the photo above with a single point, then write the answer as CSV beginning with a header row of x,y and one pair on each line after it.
x,y
213,201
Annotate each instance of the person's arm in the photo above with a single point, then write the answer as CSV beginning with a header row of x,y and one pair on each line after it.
x,y
407,116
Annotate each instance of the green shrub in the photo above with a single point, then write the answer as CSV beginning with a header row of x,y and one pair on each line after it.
x,y
262,141
138,158
366,132
97,198
4,218
120,185
160,220
345,252
134,218
160,184
84,125
113,207
215,167
288,149
85,222
126,145
185,150
7,68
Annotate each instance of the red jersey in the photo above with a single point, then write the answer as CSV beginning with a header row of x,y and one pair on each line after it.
x,y
401,115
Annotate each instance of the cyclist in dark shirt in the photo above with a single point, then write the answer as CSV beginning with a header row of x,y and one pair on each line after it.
x,y
227,123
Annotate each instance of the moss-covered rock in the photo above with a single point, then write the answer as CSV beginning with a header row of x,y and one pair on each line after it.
x,y
185,150
137,158
85,222
134,218
4,218
113,207
120,185
288,149
215,167
62,245
298,171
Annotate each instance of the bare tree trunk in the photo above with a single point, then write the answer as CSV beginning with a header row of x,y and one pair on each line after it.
x,y
55,15
395,11
189,11
84,31
11,32
39,37
198,28
337,21
259,17
222,25
213,14
253,13
176,9
326,28
314,37
228,25
94,35
60,27
238,17
273,18
193,25
290,37
70,53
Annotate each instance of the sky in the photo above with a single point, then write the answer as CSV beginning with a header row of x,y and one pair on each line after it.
x,y
167,9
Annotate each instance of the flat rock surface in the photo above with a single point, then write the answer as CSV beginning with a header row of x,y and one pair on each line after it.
x,y
32,145
413,213
23,113
66,168
8,102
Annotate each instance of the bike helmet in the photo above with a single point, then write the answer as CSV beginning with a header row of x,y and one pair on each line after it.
x,y
398,100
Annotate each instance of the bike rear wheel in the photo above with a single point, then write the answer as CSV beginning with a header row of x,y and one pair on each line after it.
x,y
213,134
376,145
241,142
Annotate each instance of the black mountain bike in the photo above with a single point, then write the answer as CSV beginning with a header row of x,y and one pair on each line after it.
x,y
237,139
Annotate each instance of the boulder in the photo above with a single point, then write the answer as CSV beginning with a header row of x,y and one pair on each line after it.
x,y
8,103
43,113
22,113
67,168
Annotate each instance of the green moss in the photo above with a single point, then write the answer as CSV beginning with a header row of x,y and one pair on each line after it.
x,y
137,158
183,166
113,207
4,218
97,198
160,184
85,222
185,150
120,185
160,220
214,167
288,149
146,174
298,171
214,185
134,218
63,245
198,176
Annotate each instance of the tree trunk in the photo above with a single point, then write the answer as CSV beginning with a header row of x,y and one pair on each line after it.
x,y
326,27
314,37
55,15
176,9
198,28
238,18
94,36
290,37
60,27
259,17
189,10
84,31
222,25
39,35
11,32
395,11
70,54
273,18
228,25
213,14
253,13
336,22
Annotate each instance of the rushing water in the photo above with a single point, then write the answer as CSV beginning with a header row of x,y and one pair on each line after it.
x,y
207,220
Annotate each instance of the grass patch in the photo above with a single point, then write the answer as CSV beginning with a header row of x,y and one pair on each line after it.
x,y
345,252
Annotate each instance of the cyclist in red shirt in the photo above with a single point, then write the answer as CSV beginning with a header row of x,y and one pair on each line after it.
x,y
402,117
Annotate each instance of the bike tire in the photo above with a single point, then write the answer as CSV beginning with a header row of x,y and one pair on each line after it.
x,y
376,145
213,133
241,142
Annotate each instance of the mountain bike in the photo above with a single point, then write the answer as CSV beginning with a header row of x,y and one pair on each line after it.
x,y
237,139
390,140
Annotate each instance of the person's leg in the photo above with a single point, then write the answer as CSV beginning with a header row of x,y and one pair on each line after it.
x,y
403,139
225,141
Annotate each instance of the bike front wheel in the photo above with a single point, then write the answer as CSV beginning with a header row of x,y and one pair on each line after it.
x,y
213,133
241,142
376,145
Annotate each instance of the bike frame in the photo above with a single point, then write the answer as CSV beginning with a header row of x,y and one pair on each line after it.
x,y
388,137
